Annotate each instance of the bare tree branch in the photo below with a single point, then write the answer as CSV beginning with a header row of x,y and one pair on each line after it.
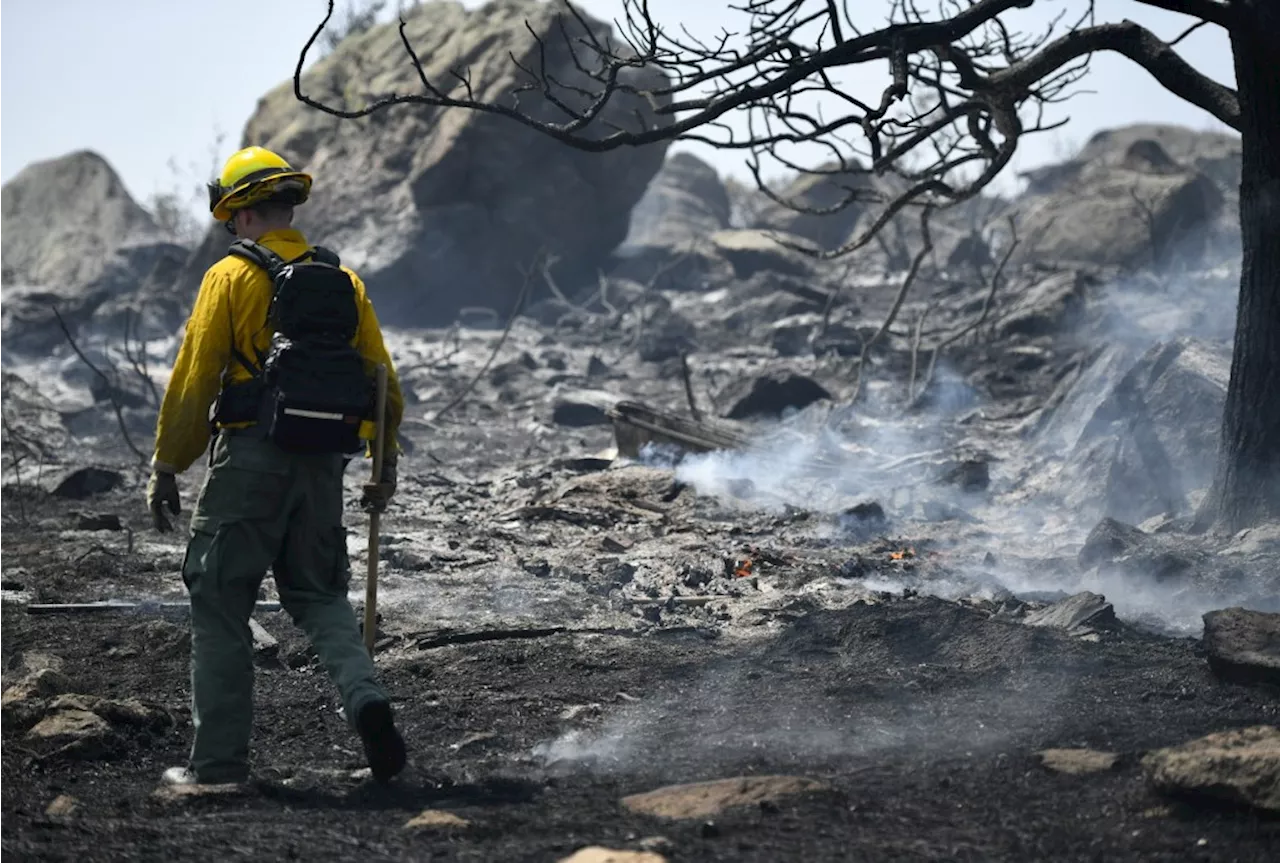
x,y
907,282
108,383
511,319
965,86
1212,11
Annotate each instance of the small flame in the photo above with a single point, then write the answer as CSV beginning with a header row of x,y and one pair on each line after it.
x,y
904,554
744,568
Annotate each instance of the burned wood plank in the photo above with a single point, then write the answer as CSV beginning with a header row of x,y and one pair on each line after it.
x,y
448,637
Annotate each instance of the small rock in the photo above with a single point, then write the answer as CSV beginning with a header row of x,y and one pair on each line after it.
x,y
657,844
866,514
582,408
538,567
843,341
99,521
936,510
505,373
1074,612
63,806
1240,767
42,683
596,367
574,711
86,482
599,854
436,819
706,799
750,251
1243,645
74,732
265,645
1109,540
615,545
772,393
968,474
161,637
1078,762
130,711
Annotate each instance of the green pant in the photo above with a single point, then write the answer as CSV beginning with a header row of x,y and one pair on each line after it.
x,y
263,507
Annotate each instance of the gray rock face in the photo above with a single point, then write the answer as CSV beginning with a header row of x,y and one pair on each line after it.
x,y
754,251
1136,196
770,394
1240,767
76,240
813,194
437,209
685,200
1243,645
1153,437
64,217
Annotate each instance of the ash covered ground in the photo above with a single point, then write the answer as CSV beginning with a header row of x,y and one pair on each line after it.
x,y
884,618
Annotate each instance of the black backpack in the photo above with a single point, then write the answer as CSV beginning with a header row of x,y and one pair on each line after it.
x,y
310,389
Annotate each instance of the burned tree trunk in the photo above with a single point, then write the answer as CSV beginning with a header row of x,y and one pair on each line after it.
x,y
1247,487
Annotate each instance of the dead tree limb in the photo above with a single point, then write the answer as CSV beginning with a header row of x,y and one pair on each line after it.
x,y
915,351
110,386
907,282
688,387
18,449
137,356
987,305
511,319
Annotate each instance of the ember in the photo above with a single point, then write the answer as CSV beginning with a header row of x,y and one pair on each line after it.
x,y
904,554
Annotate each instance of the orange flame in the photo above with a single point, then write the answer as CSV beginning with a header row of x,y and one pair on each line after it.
x,y
744,568
902,555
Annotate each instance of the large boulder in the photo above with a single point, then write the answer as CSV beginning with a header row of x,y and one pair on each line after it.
x,y
64,217
1151,438
822,207
1133,197
75,240
685,201
438,209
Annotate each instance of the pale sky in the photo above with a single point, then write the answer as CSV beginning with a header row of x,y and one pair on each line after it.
x,y
150,84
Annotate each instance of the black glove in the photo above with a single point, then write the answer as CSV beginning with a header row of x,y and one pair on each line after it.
x,y
161,490
376,495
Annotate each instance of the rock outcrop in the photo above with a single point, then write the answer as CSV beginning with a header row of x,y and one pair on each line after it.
x,y
686,199
77,241
1136,196
64,217
438,209
1152,437
807,205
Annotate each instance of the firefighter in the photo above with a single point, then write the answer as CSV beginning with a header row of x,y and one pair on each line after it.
x,y
262,504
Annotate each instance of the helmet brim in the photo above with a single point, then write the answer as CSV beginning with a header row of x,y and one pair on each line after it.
x,y
251,193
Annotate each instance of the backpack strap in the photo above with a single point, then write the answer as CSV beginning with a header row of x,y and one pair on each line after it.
x,y
260,255
256,253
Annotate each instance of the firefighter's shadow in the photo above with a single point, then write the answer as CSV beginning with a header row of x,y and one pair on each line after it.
x,y
406,792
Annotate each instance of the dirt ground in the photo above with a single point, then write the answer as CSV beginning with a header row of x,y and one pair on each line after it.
x,y
921,716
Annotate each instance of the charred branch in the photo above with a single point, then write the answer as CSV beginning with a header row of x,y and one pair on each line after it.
x,y
964,87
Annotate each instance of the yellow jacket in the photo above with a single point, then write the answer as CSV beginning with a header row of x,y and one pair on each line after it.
x,y
231,309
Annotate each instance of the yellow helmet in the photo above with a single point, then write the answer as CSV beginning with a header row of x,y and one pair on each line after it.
x,y
251,176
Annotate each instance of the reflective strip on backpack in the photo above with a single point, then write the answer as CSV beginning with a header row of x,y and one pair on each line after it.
x,y
314,415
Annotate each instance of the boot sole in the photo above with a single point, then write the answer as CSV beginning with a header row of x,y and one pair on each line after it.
x,y
383,746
